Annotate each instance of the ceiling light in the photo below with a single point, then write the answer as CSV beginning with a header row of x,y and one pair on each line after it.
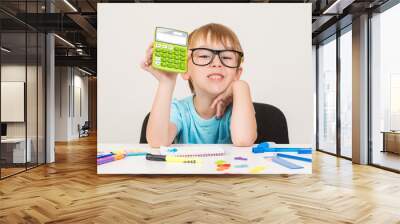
x,y
5,50
64,40
70,5
84,71
338,6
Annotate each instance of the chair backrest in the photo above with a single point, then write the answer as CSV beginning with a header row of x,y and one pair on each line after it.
x,y
271,125
143,139
86,125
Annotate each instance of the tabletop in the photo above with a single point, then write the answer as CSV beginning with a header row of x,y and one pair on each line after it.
x,y
241,159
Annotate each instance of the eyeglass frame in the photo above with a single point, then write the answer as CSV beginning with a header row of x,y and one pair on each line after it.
x,y
217,52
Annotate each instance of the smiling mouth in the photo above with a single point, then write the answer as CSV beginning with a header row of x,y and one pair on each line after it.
x,y
215,76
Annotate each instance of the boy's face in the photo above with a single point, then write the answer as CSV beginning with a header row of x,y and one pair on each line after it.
x,y
214,78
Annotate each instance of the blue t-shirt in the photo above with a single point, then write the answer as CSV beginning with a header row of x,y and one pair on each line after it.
x,y
193,129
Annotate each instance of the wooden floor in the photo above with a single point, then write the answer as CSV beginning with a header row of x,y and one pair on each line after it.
x,y
387,159
70,191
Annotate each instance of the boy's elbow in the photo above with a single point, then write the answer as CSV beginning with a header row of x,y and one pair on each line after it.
x,y
154,143
158,144
244,141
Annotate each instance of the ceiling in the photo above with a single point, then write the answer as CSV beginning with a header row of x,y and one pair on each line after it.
x,y
77,22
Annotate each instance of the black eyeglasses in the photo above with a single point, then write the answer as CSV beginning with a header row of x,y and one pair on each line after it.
x,y
204,56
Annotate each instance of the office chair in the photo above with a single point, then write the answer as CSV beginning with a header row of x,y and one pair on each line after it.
x,y
271,125
84,130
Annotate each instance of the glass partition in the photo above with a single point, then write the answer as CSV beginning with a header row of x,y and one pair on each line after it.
x,y
22,63
346,93
385,89
327,96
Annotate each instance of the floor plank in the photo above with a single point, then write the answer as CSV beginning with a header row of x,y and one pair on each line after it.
x,y
70,191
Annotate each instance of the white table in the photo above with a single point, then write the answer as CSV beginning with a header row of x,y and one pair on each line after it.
x,y
19,149
139,164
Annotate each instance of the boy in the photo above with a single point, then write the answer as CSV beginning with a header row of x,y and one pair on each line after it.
x,y
207,117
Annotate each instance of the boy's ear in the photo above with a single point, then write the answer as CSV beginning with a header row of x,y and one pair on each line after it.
x,y
185,76
239,72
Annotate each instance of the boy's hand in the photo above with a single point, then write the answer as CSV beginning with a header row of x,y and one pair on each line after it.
x,y
161,76
223,100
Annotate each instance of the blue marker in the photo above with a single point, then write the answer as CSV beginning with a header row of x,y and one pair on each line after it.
x,y
298,150
104,155
136,153
266,147
294,157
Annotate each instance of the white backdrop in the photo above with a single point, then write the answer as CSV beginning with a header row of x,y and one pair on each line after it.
x,y
276,39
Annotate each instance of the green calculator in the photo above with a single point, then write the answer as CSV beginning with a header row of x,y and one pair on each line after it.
x,y
170,50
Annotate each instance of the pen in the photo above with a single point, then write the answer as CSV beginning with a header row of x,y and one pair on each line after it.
x,y
171,159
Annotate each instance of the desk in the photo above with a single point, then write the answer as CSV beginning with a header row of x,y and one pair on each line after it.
x,y
18,151
391,141
139,164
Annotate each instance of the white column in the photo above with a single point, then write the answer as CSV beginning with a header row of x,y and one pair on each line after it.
x,y
360,90
50,92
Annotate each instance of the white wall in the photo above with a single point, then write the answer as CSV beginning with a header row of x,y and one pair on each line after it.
x,y
277,65
33,127
68,81
17,73
80,83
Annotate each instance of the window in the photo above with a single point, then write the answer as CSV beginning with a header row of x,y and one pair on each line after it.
x,y
327,96
385,88
346,93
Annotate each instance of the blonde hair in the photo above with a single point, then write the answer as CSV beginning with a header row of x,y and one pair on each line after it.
x,y
217,33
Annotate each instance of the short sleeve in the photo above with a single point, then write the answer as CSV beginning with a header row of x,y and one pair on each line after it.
x,y
175,116
228,115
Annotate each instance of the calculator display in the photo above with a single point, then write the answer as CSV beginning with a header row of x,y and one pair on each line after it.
x,y
171,36
170,50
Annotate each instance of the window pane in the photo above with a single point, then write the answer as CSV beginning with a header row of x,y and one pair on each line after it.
x,y
327,96
345,94
385,88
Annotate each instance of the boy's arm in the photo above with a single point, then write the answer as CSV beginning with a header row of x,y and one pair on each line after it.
x,y
243,120
160,131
